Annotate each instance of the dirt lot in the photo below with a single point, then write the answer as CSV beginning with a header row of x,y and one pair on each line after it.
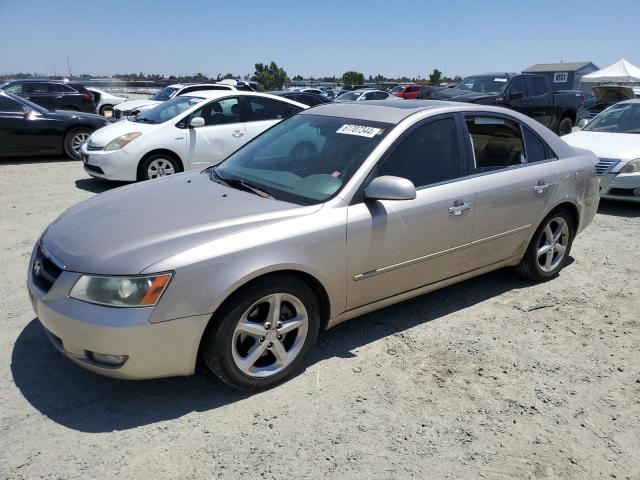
x,y
492,378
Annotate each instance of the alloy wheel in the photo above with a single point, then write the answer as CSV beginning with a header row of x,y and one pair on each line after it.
x,y
270,335
552,245
160,167
78,140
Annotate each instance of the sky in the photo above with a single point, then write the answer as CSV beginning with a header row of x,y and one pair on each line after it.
x,y
318,38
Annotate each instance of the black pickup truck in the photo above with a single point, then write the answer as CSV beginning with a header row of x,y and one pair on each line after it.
x,y
529,94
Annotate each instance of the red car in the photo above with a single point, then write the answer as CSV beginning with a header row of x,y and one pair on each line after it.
x,y
407,91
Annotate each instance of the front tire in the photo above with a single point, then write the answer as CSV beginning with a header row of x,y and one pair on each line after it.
x,y
263,334
549,248
73,141
565,126
158,165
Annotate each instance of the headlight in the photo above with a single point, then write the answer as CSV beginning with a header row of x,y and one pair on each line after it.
x,y
121,141
631,167
138,291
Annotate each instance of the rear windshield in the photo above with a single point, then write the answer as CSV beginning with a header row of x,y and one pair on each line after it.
x,y
165,94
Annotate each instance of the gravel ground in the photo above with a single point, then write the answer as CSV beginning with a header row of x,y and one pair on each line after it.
x,y
492,378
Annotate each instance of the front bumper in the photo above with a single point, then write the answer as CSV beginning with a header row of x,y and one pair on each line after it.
x,y
117,165
615,186
77,328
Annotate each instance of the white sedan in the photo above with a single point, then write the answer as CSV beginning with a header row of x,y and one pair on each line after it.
x,y
134,107
614,136
363,95
105,101
187,132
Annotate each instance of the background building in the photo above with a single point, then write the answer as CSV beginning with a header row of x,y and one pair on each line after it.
x,y
564,76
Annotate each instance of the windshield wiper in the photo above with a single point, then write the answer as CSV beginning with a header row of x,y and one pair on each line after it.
x,y
233,182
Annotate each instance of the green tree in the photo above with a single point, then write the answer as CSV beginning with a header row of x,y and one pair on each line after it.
x,y
436,77
353,78
297,77
271,77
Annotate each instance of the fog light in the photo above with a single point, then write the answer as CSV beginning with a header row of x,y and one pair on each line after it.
x,y
108,359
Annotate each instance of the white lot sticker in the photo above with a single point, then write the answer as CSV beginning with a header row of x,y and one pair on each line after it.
x,y
359,130
501,80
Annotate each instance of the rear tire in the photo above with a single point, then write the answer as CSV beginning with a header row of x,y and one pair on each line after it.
x,y
565,126
251,344
73,141
549,248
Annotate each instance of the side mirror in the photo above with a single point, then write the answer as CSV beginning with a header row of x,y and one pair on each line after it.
x,y
196,122
26,112
390,188
516,95
582,123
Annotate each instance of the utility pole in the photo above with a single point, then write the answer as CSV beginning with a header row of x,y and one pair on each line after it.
x,y
69,67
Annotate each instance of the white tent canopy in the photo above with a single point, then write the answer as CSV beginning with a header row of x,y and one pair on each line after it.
x,y
619,72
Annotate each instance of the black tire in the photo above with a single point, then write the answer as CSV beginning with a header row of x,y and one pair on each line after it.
x,y
143,172
529,265
218,340
71,139
565,126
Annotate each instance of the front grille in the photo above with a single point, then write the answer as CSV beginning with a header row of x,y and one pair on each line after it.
x,y
93,168
43,271
605,165
624,192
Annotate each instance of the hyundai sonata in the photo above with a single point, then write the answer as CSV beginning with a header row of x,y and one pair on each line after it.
x,y
334,212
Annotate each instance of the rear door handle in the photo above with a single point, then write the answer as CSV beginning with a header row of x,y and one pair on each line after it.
x,y
542,186
237,133
458,208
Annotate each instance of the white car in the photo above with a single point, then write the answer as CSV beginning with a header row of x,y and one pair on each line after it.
x,y
105,101
134,107
362,95
189,131
614,136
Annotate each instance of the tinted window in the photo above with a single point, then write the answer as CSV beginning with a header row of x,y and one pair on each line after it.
x,y
292,109
370,96
15,88
198,88
60,88
519,86
537,150
9,105
220,112
427,155
497,143
264,109
538,86
39,87
381,95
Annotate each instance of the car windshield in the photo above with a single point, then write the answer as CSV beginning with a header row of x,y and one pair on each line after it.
x,y
165,94
349,96
619,118
167,110
492,85
305,159
397,89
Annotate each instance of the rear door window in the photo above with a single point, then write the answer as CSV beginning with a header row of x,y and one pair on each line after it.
x,y
497,142
259,109
536,149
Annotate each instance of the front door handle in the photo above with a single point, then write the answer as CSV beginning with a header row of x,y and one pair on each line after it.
x,y
541,187
237,133
459,207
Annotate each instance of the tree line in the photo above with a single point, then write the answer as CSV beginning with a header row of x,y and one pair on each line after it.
x,y
270,76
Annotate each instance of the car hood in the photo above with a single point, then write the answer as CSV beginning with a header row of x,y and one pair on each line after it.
x,y
101,137
458,95
625,146
613,94
135,104
126,230
69,115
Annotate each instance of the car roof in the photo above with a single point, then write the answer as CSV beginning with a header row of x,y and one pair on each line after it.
x,y
634,100
494,74
213,94
388,111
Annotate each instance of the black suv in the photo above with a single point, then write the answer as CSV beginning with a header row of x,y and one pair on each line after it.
x,y
53,95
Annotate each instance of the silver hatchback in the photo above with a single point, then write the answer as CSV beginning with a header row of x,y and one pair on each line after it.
x,y
332,213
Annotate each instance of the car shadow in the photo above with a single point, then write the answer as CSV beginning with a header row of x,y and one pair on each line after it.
x,y
619,209
36,159
98,185
83,401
